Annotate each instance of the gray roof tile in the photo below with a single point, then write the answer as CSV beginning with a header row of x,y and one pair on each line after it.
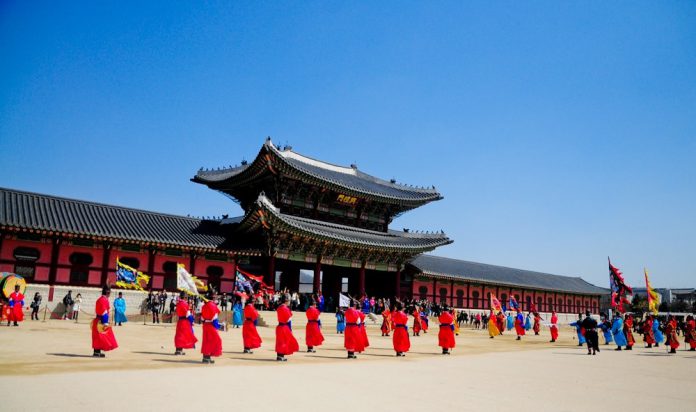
x,y
42,212
484,273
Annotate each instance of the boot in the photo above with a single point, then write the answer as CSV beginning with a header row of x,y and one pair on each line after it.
x,y
207,359
281,358
178,351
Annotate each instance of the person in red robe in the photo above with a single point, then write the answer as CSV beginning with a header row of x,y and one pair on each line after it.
x,y
446,335
386,322
537,323
103,338
313,335
352,337
690,333
363,332
671,333
424,320
400,340
500,322
212,344
519,324
648,334
184,337
286,344
416,322
250,336
16,303
628,330
554,326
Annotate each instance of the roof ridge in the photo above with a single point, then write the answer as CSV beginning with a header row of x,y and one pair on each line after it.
x,y
99,204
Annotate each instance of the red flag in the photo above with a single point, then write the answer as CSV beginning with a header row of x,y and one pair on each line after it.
x,y
619,289
495,304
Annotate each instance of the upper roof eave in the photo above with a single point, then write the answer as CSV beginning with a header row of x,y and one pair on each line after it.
x,y
320,171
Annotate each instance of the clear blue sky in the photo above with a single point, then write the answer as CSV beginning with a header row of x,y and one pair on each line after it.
x,y
559,133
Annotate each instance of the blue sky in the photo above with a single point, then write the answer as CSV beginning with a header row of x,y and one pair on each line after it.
x,y
558,133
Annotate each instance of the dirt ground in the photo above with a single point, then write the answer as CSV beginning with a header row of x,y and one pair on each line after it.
x,y
51,368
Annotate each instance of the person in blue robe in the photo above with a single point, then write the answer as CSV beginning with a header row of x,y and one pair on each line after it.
x,y
617,329
605,325
340,321
578,329
366,306
528,322
659,337
120,310
237,314
510,321
321,302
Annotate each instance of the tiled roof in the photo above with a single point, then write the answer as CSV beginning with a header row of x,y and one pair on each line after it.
x,y
346,179
346,235
50,213
499,275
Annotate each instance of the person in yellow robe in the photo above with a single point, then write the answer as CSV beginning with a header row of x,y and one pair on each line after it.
x,y
493,326
456,324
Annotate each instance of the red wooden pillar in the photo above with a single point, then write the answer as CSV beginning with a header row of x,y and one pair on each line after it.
x,y
451,299
316,282
468,301
192,262
53,270
361,279
397,292
271,271
434,290
151,264
105,264
234,267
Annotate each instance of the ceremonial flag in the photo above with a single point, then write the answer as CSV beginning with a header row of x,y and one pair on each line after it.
x,y
495,304
185,281
619,289
653,296
129,278
250,284
343,300
513,303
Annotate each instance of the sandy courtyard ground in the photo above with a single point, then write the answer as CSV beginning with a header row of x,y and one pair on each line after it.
x,y
48,366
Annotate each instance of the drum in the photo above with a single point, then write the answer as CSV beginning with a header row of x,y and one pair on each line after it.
x,y
8,282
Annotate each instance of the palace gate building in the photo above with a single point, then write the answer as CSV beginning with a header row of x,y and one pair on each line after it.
x,y
308,225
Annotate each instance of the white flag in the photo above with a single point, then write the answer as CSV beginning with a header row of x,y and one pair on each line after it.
x,y
343,300
184,281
